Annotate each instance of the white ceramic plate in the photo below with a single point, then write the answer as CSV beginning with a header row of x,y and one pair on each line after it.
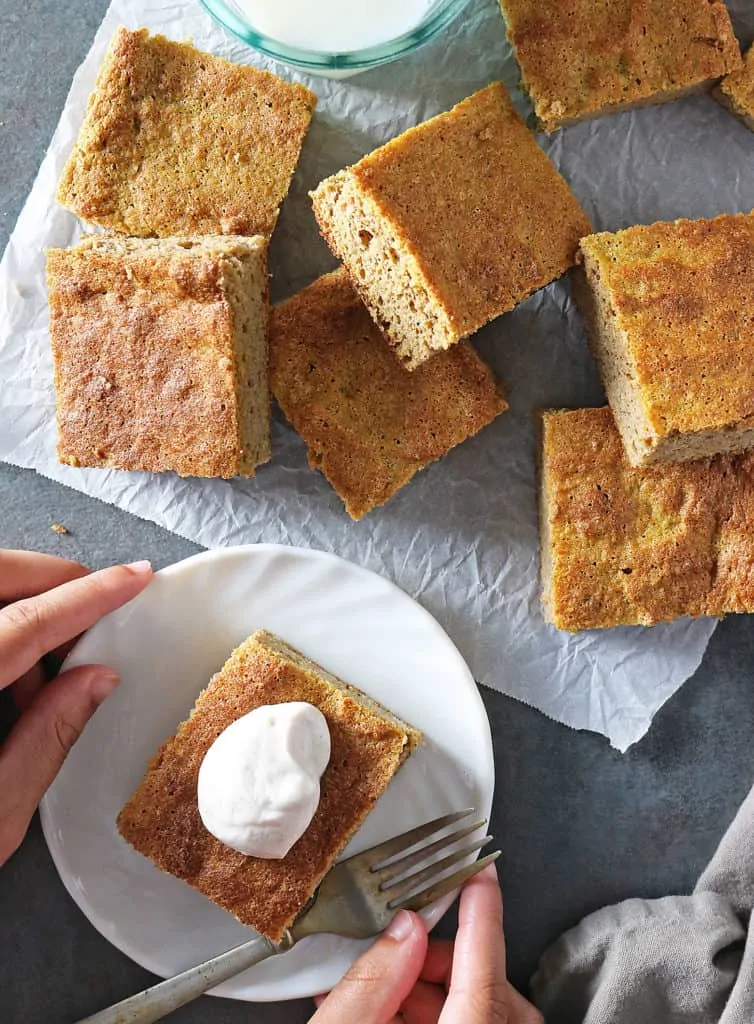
x,y
166,644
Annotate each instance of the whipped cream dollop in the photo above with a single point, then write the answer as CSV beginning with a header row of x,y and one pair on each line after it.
x,y
258,785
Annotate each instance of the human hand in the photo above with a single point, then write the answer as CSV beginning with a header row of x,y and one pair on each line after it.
x,y
45,603
407,979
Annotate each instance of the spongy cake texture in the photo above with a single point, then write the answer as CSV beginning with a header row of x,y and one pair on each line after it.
x,y
368,745
670,311
179,142
625,546
160,353
584,58
451,224
368,424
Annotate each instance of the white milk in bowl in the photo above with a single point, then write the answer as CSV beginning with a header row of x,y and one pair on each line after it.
x,y
334,26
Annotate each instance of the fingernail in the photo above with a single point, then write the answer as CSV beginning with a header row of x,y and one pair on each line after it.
x,y
401,926
141,568
103,685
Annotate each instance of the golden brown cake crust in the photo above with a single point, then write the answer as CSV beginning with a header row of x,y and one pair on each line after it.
x,y
585,58
736,91
516,223
162,819
368,424
143,348
476,203
179,142
683,293
638,546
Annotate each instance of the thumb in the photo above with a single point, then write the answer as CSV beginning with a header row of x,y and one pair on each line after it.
x,y
374,988
32,755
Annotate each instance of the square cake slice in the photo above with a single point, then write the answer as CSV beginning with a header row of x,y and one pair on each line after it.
x,y
624,546
451,224
736,91
368,746
179,142
368,424
580,59
160,353
670,313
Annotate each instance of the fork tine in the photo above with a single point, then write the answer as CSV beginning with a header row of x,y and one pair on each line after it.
x,y
397,890
399,867
378,855
422,899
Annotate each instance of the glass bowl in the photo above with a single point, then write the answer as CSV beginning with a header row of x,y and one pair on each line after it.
x,y
335,65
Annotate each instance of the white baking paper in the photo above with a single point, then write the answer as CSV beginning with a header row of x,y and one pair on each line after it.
x,y
462,537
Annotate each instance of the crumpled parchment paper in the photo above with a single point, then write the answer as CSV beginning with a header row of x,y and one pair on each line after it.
x,y
462,537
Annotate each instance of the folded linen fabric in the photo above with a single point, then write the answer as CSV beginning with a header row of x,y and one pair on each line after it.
x,y
677,959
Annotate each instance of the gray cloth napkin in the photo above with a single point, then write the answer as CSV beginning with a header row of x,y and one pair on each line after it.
x,y
683,959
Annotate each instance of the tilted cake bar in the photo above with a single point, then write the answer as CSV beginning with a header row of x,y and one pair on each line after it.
x,y
180,142
736,91
670,313
451,224
370,425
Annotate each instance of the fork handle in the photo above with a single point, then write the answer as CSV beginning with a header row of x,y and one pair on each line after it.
x,y
154,1003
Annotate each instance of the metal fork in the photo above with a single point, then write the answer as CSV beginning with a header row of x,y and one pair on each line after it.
x,y
358,898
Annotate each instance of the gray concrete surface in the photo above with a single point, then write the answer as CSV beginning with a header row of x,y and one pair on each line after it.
x,y
580,825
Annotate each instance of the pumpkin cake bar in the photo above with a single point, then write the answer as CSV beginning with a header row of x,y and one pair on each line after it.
x,y
670,313
160,353
736,91
581,59
368,424
451,224
179,142
624,546
368,746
